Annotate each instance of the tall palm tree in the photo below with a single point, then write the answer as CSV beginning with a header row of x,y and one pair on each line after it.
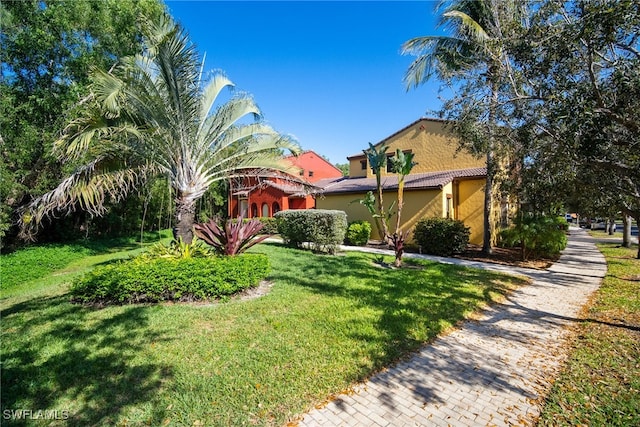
x,y
474,50
157,114
377,158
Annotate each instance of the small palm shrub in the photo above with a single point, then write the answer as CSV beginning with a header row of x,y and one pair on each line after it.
x,y
235,237
358,233
169,279
441,236
177,249
537,236
323,229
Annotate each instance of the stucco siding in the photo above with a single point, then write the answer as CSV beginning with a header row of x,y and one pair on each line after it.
x,y
417,205
432,144
470,200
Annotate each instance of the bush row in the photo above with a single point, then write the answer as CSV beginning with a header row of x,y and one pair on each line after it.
x,y
270,224
441,236
537,236
163,279
358,233
323,229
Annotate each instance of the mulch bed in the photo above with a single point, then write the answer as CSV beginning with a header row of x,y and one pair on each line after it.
x,y
505,256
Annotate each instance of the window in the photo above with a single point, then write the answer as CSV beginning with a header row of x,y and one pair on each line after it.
x,y
363,165
276,208
310,174
390,163
254,210
265,210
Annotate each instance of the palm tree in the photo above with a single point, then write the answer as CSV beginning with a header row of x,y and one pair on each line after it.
x,y
474,50
377,158
402,164
156,114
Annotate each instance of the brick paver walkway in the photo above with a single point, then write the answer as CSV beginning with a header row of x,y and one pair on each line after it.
x,y
491,372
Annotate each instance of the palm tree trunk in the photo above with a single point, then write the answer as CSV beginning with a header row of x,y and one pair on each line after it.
x,y
383,218
185,218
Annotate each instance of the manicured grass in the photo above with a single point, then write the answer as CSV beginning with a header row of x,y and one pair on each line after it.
x,y
601,383
328,322
37,268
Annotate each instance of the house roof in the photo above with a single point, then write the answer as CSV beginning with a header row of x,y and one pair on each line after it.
x,y
290,189
419,181
428,119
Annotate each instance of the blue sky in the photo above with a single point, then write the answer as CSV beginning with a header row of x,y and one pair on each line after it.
x,y
329,73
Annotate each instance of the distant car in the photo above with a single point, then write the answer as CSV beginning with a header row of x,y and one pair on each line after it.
x,y
598,224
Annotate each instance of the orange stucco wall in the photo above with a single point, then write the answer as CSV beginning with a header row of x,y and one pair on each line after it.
x,y
314,167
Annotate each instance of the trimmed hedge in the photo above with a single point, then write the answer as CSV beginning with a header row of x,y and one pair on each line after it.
x,y
163,279
323,229
441,236
536,236
270,224
358,233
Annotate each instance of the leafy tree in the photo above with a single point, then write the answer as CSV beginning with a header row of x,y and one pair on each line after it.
x,y
475,63
583,59
344,168
46,50
156,114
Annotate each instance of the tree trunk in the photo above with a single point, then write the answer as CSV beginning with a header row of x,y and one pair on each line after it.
x,y
488,207
383,218
626,230
487,236
185,218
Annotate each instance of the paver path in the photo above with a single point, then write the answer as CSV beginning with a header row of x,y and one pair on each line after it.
x,y
494,371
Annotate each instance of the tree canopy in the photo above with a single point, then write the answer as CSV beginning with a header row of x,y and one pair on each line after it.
x,y
47,48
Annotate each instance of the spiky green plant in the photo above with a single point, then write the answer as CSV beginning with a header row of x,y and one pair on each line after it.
x,y
234,238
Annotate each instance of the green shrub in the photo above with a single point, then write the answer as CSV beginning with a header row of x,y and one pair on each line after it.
x,y
536,236
163,279
177,249
441,236
358,233
270,224
323,229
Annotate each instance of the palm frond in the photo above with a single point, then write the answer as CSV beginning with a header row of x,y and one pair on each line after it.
x,y
469,27
210,94
88,188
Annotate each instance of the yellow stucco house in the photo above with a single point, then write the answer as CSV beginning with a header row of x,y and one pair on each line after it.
x,y
444,183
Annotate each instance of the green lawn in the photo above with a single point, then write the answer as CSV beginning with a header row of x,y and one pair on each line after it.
x,y
601,383
328,322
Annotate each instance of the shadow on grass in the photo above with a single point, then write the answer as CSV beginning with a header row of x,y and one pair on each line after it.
x,y
415,305
56,354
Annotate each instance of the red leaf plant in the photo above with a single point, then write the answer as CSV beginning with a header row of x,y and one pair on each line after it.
x,y
234,238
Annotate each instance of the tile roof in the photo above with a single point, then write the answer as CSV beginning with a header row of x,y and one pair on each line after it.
x,y
290,189
417,181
